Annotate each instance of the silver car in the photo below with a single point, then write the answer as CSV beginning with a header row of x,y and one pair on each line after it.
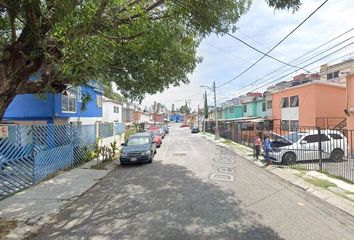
x,y
304,146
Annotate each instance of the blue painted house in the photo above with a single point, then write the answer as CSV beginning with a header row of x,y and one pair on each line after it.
x,y
176,118
57,108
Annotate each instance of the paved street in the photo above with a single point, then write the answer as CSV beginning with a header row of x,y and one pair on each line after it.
x,y
196,190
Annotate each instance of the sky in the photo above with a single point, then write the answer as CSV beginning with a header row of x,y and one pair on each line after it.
x,y
224,57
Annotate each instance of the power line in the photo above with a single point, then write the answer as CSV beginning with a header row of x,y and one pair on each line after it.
x,y
304,66
303,61
265,54
247,69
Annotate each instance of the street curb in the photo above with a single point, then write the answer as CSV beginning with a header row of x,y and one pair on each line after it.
x,y
27,227
331,198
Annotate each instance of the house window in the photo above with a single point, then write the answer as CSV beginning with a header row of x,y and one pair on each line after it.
x,y
294,101
336,74
264,106
294,125
244,108
329,76
115,109
99,100
284,102
79,94
269,104
285,125
68,101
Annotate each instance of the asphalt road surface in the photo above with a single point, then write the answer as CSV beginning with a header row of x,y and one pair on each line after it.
x,y
196,190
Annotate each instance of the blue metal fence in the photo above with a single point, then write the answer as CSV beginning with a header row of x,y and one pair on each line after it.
x,y
31,153
106,130
119,128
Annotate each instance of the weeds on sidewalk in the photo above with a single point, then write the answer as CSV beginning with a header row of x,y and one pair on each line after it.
x,y
320,182
6,227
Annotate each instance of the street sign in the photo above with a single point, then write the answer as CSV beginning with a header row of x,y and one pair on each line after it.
x,y
4,131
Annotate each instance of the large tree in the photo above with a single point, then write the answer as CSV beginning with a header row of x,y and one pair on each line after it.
x,y
143,46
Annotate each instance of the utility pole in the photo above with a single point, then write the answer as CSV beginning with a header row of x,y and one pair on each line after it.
x,y
154,113
198,116
217,134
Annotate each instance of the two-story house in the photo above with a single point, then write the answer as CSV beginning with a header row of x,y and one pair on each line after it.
x,y
112,110
303,105
64,107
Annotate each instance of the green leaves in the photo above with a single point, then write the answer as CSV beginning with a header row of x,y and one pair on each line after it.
x,y
143,46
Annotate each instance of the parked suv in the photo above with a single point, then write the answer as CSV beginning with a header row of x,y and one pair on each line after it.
x,y
139,147
304,146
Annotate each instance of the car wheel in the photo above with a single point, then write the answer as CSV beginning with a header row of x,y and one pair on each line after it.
x,y
289,158
151,158
337,155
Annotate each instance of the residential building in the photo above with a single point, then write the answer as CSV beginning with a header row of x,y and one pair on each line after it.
x,y
297,80
232,112
64,107
128,113
255,108
349,108
268,97
112,110
303,105
337,73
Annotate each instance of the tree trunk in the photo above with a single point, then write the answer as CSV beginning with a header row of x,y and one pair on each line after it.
x,y
15,69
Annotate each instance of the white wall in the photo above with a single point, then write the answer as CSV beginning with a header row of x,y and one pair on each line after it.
x,y
108,112
82,120
291,113
145,118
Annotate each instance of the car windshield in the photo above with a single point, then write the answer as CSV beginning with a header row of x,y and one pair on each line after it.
x,y
137,141
293,137
155,133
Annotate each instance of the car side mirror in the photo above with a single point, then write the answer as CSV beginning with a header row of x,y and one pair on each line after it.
x,y
122,144
303,142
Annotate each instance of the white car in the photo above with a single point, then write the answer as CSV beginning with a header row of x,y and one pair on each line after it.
x,y
304,146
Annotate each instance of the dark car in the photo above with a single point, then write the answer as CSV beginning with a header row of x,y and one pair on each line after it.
x,y
139,147
195,130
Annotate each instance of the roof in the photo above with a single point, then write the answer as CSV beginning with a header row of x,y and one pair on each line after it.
x,y
330,84
105,99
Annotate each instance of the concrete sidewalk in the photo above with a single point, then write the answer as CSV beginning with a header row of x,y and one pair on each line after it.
x,y
35,206
338,193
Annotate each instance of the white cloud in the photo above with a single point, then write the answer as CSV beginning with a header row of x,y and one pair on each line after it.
x,y
224,57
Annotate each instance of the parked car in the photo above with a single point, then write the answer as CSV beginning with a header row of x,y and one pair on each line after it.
x,y
156,135
139,147
184,125
166,129
162,133
195,130
304,146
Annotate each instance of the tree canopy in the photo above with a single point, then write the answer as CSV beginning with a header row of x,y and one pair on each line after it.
x,y
144,46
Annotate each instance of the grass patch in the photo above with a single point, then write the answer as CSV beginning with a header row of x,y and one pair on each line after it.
x,y
6,227
227,141
336,177
320,182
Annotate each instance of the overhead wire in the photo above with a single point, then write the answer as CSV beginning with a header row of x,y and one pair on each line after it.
x,y
302,62
264,85
269,51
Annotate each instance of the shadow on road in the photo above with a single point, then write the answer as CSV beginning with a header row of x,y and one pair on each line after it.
x,y
156,201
